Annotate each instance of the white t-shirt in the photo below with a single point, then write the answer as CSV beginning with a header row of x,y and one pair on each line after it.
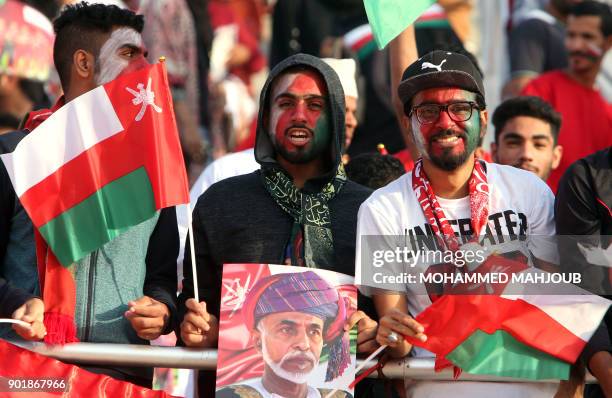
x,y
230,165
519,204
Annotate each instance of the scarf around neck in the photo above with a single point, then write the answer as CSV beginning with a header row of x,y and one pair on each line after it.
x,y
311,242
434,213
57,285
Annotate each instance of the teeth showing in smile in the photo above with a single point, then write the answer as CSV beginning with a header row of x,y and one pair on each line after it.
x,y
299,136
447,140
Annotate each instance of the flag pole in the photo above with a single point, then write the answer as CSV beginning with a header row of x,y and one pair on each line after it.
x,y
194,272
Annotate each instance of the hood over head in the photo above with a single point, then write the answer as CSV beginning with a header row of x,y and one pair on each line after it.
x,y
264,148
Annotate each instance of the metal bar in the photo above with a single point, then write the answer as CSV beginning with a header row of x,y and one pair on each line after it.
x,y
193,358
127,355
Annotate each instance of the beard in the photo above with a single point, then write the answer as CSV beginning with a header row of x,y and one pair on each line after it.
x,y
299,155
277,367
447,160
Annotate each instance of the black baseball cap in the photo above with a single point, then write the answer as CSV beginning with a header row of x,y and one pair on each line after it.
x,y
439,69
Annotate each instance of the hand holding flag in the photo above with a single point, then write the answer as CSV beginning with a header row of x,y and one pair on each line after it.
x,y
199,328
396,321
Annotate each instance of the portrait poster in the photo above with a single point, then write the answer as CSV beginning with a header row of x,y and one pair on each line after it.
x,y
281,328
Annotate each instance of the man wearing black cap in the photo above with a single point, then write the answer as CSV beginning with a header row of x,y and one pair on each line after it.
x,y
452,194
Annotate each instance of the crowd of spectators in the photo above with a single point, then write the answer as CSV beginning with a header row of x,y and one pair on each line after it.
x,y
550,106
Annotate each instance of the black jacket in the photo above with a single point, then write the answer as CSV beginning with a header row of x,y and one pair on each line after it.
x,y
584,198
582,207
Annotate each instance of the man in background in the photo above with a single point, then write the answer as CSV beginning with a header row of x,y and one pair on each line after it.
x,y
587,116
526,134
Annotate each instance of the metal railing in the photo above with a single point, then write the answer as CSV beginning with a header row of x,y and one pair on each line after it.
x,y
192,358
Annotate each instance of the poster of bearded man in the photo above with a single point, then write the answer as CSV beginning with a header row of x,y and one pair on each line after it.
x,y
282,332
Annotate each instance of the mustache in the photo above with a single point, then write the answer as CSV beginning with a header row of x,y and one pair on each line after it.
x,y
588,55
303,356
526,166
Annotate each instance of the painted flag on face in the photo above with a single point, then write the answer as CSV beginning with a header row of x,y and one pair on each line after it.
x,y
388,18
100,164
531,335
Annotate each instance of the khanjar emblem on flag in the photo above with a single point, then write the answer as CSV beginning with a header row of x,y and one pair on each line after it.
x,y
143,97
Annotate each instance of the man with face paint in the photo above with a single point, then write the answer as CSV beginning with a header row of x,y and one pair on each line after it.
x,y
126,290
535,44
297,209
454,195
587,117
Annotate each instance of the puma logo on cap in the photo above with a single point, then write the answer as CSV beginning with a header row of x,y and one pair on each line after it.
x,y
429,65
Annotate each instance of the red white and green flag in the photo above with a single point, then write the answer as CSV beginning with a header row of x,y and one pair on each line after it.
x,y
532,335
100,164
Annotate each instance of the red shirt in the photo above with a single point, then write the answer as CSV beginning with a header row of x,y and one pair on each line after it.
x,y
586,125
405,158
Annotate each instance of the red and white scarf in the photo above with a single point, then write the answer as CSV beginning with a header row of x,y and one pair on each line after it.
x,y
479,203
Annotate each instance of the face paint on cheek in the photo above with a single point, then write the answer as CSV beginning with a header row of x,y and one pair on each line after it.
x,y
322,136
279,119
594,50
419,138
111,64
472,128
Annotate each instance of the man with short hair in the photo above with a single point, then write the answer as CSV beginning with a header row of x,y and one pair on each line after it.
x,y
587,117
450,194
126,290
526,132
298,209
291,317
